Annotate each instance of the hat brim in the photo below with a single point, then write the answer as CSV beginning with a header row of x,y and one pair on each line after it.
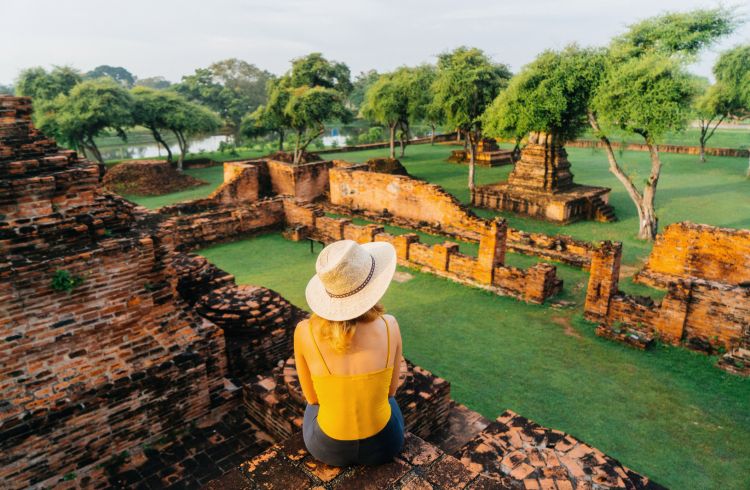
x,y
340,309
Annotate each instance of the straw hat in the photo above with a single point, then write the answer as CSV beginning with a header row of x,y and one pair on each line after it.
x,y
350,278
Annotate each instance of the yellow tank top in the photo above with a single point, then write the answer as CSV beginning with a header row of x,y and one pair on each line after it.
x,y
355,406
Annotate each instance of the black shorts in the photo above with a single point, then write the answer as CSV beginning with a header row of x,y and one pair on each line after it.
x,y
373,450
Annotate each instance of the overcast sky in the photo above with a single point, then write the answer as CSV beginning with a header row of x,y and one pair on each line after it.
x,y
173,37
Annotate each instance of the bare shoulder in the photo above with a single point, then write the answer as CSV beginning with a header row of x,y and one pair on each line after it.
x,y
393,324
301,329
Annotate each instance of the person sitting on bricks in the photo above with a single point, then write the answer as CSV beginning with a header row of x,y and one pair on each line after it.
x,y
348,357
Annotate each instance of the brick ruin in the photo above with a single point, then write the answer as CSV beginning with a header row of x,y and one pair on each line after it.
x,y
128,361
541,186
488,154
419,205
702,314
692,251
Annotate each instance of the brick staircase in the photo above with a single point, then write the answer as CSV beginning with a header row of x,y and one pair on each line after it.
x,y
603,212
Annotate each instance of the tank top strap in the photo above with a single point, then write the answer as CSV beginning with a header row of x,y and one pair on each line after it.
x,y
388,334
318,348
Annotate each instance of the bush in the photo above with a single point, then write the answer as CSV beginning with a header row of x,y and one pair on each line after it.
x,y
65,281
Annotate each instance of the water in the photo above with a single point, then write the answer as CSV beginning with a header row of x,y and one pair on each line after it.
x,y
128,151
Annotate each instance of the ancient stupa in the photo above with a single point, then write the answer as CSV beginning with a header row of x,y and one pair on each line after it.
x,y
541,186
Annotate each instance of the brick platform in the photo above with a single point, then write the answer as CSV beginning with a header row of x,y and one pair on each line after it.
x,y
288,465
539,458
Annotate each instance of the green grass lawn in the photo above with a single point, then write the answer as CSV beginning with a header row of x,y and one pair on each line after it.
x,y
667,413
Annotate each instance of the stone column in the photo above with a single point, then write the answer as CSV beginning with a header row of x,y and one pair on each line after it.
x,y
491,251
402,244
604,277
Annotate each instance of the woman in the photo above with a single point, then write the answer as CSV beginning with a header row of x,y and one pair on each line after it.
x,y
348,356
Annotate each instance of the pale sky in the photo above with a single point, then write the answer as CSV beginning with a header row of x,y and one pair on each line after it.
x,y
173,37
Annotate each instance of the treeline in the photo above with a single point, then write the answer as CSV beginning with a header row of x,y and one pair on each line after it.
x,y
638,83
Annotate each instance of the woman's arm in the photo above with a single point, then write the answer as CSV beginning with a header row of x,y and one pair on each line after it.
x,y
396,333
303,371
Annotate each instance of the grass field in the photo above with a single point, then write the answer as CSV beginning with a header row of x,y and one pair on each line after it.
x,y
667,413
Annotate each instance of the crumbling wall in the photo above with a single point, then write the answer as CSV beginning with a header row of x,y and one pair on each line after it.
x,y
488,270
704,315
195,225
241,183
420,205
693,251
305,181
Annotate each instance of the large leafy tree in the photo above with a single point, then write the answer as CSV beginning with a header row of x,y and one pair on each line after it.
x,y
645,90
551,95
117,73
157,82
467,82
307,111
186,119
233,88
387,102
42,85
311,93
91,107
164,110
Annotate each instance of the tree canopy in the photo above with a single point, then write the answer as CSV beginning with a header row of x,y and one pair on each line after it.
x,y
90,108
307,111
117,73
551,94
732,71
314,70
36,82
466,83
361,83
233,88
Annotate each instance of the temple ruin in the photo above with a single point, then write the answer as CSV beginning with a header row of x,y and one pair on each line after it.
x,y
488,154
129,361
541,186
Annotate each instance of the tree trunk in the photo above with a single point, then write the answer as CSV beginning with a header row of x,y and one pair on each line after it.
x,y
644,204
157,136
704,129
432,134
182,143
471,141
703,151
91,146
392,139
747,174
458,136
281,140
297,151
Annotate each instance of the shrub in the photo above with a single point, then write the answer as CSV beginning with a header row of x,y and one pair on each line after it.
x,y
63,280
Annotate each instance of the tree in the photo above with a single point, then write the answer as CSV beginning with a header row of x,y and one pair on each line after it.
x,y
550,95
307,111
233,88
116,73
466,83
312,92
422,106
151,109
44,86
6,89
732,71
645,90
361,83
90,108
711,107
387,103
270,118
314,70
157,82
186,119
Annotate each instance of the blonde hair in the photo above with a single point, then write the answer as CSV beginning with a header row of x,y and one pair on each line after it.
x,y
339,334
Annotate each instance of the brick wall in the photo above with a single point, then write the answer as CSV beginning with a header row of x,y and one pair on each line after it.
x,y
488,270
416,204
685,150
306,181
116,360
698,313
687,250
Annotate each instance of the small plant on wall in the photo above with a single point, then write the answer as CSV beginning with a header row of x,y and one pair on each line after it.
x,y
63,280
